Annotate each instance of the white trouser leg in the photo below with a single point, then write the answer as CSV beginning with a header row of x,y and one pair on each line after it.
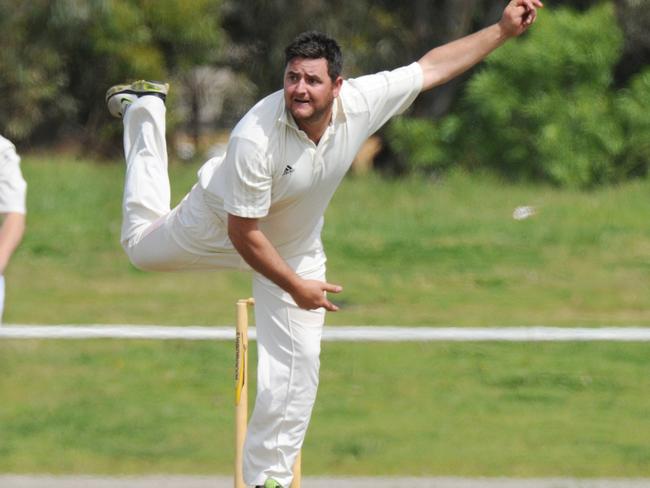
x,y
147,219
288,339
146,189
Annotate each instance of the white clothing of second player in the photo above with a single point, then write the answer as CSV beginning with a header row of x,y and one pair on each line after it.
x,y
13,191
273,172
13,188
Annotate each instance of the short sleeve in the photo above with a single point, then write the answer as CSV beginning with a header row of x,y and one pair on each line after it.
x,y
388,93
247,179
13,188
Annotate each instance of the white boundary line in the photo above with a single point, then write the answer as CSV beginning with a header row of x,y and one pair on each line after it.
x,y
333,333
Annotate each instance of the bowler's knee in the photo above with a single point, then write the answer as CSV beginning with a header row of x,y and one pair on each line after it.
x,y
143,261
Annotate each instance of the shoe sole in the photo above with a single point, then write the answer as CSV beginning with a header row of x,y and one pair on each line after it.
x,y
149,88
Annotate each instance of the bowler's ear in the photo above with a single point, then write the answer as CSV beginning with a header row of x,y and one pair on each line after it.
x,y
338,83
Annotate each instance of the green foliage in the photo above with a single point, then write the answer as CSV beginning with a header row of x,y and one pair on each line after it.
x,y
423,140
544,107
188,33
68,52
31,70
580,144
634,106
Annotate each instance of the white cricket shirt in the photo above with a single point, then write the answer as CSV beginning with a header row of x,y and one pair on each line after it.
x,y
13,188
273,172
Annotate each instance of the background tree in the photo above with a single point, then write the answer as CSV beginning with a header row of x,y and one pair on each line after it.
x,y
634,19
374,35
32,74
66,53
59,56
543,107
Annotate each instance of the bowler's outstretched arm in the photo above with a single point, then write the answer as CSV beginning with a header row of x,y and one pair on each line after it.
x,y
443,63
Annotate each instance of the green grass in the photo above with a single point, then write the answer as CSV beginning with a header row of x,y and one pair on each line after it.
x,y
523,410
412,252
449,253
71,268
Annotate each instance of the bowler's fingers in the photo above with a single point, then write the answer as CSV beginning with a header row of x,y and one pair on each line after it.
x,y
531,11
331,287
529,17
523,17
329,306
525,8
334,289
529,5
517,12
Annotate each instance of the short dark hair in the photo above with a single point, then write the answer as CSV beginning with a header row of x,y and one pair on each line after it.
x,y
316,45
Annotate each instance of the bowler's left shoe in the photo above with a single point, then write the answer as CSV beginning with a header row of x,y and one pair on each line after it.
x,y
119,97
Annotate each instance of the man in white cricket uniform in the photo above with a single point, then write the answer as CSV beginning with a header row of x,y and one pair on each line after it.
x,y
12,207
261,206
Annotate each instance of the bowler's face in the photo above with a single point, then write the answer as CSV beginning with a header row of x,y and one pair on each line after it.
x,y
308,90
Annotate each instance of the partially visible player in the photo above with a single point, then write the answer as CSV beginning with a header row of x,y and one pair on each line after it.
x,y
13,191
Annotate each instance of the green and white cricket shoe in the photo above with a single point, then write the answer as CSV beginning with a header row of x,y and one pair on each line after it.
x,y
270,483
119,97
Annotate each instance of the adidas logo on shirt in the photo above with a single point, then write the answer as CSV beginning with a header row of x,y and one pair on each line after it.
x,y
288,170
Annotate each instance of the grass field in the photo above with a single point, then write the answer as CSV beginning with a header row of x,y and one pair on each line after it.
x,y
412,252
383,409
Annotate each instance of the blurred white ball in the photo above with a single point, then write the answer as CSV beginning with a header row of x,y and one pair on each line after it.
x,y
521,213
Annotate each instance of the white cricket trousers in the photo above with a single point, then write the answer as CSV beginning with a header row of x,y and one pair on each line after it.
x,y
288,337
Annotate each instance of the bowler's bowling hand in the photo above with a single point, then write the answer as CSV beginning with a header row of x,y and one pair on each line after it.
x,y
312,294
518,16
